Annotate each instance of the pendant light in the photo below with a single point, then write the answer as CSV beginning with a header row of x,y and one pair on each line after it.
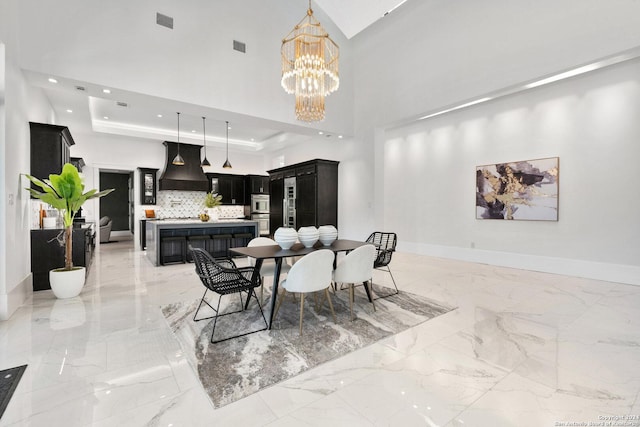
x,y
178,160
205,162
227,165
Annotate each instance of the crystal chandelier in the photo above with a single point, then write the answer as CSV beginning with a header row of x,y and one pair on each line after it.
x,y
309,67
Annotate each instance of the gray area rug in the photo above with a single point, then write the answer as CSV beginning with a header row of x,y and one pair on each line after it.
x,y
234,369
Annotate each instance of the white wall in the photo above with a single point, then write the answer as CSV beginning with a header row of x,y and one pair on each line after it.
x,y
23,103
589,122
427,55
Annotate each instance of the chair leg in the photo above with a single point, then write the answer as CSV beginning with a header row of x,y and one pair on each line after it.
x,y
369,293
215,320
392,279
333,313
203,300
262,290
283,294
301,311
351,300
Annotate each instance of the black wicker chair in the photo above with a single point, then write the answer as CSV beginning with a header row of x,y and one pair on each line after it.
x,y
223,277
385,247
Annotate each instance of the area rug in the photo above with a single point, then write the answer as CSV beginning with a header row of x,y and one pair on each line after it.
x,y
231,370
9,379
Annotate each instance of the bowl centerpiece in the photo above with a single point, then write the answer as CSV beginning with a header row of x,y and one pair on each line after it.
x,y
328,233
285,237
308,236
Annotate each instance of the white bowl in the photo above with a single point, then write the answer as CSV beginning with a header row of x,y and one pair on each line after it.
x,y
328,233
285,237
308,236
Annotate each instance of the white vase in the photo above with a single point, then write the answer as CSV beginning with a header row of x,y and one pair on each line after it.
x,y
285,237
67,284
328,233
308,236
214,213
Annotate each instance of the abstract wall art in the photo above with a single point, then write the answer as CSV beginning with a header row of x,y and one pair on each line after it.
x,y
524,190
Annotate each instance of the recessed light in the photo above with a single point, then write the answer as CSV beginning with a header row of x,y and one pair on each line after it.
x,y
340,136
106,117
193,131
320,133
252,139
229,127
106,90
159,115
52,80
69,111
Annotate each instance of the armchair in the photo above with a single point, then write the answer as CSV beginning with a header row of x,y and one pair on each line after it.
x,y
105,229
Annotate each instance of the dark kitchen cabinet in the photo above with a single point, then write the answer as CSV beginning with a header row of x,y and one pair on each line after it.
x,y
276,191
148,186
316,193
47,254
49,149
256,184
230,187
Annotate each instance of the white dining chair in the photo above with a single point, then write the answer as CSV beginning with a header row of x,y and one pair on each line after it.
x,y
269,265
356,267
312,273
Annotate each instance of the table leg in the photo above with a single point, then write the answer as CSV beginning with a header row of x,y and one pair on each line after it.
x,y
274,290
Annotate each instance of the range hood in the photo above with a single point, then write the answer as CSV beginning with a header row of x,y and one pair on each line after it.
x,y
188,177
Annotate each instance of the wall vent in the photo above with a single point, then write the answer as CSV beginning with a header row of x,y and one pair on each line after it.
x,y
239,46
164,20
122,104
82,88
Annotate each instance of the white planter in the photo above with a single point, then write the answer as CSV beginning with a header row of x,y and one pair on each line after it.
x,y
67,284
214,213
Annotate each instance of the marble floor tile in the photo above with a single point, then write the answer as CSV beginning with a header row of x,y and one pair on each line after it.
x,y
522,349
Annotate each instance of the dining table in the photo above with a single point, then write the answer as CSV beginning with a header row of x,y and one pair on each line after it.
x,y
275,252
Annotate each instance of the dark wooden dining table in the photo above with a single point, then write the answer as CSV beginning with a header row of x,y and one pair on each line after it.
x,y
260,253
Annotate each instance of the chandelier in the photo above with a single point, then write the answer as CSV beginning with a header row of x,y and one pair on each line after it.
x,y
309,67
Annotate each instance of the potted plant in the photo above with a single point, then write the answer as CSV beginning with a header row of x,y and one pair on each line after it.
x,y
65,192
211,202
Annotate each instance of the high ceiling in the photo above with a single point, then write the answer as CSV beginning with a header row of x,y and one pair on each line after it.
x,y
155,118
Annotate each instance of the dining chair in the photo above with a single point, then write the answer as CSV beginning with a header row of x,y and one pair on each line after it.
x,y
222,277
312,273
385,247
356,267
268,267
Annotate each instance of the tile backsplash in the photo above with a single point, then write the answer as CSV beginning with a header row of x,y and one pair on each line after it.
x,y
188,204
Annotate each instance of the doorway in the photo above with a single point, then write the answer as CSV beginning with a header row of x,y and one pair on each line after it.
x,y
119,204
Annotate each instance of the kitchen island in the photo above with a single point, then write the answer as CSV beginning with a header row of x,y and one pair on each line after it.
x,y
223,233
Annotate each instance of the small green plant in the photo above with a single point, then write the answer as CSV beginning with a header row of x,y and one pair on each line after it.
x,y
212,200
65,193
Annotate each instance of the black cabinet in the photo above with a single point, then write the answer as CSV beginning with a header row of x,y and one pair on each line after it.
x,y
143,234
49,149
256,184
148,186
47,254
316,193
230,187
276,190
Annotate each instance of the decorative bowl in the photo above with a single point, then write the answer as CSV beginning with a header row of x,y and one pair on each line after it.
x,y
328,233
308,236
285,237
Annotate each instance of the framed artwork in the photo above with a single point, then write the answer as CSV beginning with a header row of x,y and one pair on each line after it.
x,y
524,190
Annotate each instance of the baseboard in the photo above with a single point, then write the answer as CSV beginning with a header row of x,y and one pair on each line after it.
x,y
10,302
618,273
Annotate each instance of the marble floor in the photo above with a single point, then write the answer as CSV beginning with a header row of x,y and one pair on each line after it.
x,y
522,349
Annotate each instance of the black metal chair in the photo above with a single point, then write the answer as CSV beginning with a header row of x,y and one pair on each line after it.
x,y
223,277
385,247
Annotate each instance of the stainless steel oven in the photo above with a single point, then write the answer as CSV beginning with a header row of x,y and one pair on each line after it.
x,y
263,223
260,203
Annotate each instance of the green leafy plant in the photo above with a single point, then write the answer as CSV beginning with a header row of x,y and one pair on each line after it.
x,y
65,192
212,200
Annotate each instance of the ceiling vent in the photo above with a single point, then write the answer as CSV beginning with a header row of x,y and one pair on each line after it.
x,y
122,104
239,46
164,20
82,88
